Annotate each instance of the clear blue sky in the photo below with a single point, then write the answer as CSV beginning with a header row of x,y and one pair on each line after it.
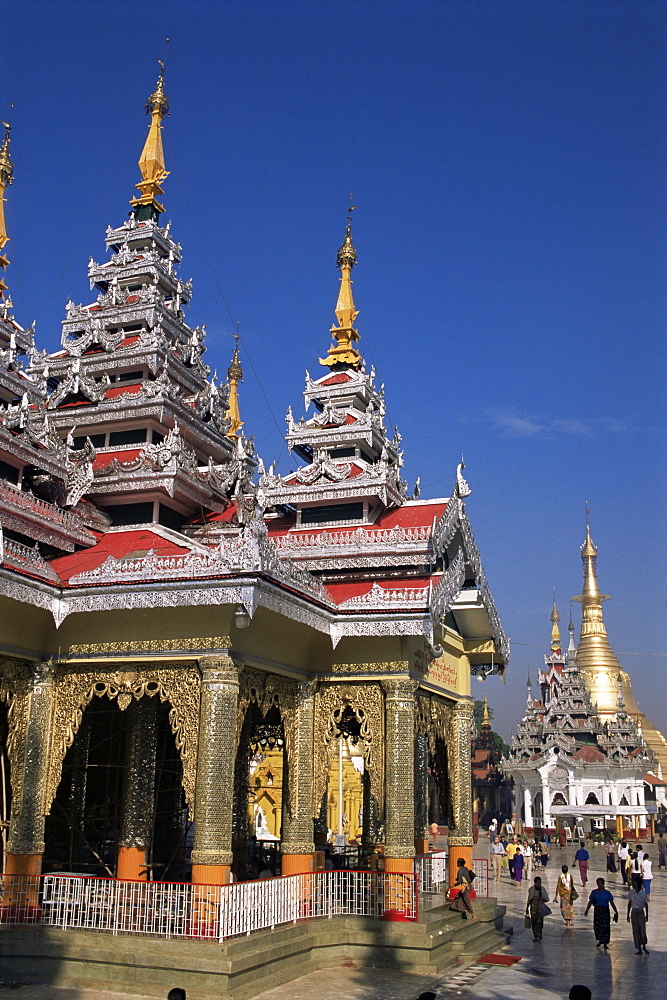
x,y
505,158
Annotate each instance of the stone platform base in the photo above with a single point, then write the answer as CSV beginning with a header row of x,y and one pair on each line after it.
x,y
244,966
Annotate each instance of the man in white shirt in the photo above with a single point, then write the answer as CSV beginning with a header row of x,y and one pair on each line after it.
x,y
640,853
647,873
623,855
498,852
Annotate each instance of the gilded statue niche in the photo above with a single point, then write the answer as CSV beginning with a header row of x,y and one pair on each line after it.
x,y
366,701
179,685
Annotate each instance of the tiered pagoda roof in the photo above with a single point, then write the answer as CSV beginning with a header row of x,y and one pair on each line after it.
x,y
153,495
566,721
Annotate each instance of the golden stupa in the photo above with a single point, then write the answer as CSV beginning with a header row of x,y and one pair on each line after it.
x,y
598,662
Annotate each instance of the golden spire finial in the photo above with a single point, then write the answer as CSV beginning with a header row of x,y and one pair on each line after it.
x,y
486,722
151,161
555,630
235,375
6,178
345,335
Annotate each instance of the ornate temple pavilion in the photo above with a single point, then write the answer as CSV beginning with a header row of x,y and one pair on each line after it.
x,y
186,633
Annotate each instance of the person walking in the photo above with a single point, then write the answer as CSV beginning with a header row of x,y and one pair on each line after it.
x,y
662,851
565,895
647,873
461,902
611,857
527,852
538,897
519,862
623,855
493,830
581,858
511,850
543,848
601,899
497,854
638,915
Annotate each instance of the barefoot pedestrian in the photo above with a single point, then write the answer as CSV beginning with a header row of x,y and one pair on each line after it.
x,y
566,895
638,915
538,897
497,855
601,899
581,858
623,855
461,902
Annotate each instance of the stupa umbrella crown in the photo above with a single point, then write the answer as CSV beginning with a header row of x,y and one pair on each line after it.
x,y
151,161
234,376
342,353
6,178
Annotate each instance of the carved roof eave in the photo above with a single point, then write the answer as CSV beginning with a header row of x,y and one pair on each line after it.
x,y
154,357
162,410
252,590
358,487
453,529
180,484
332,437
120,235
44,522
23,337
17,383
134,270
28,453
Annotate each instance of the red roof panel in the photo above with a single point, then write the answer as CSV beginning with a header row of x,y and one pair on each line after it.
x,y
135,542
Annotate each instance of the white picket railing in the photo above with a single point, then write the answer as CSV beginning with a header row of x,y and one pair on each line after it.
x,y
433,876
170,909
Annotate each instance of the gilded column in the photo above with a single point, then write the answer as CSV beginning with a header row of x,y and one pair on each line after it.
x,y
421,792
25,846
297,847
214,786
139,792
460,841
399,704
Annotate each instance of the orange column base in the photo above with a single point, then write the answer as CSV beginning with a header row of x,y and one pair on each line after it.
x,y
398,890
454,854
421,846
131,864
210,874
296,864
21,895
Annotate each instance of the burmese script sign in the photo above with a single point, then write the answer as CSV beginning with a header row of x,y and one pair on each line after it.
x,y
441,671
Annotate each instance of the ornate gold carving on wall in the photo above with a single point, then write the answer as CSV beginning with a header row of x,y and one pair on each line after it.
x,y
137,646
367,703
387,667
265,691
15,688
179,685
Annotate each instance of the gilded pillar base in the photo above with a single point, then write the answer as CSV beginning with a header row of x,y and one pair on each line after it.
x,y
132,864
421,845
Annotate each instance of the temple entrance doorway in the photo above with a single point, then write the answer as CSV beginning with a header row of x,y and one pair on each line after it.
x,y
261,784
84,827
345,795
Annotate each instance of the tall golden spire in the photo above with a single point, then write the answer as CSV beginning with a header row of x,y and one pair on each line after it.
x,y
235,375
555,630
595,657
6,178
486,722
151,161
343,352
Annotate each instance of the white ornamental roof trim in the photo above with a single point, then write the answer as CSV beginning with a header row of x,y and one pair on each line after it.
x,y
251,551
381,598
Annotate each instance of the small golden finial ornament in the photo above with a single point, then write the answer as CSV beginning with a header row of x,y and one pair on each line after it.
x,y
151,161
342,352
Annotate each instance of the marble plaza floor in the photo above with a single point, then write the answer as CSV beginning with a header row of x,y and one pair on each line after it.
x,y
546,970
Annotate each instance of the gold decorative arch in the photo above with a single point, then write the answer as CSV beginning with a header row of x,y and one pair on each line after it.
x,y
179,685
